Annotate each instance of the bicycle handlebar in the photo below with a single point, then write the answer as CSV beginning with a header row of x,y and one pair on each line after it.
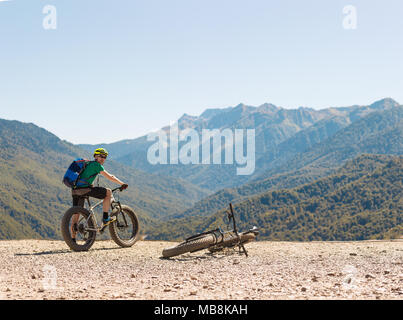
x,y
121,188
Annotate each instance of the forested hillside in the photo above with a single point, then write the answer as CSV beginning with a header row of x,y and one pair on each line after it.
x,y
361,200
33,198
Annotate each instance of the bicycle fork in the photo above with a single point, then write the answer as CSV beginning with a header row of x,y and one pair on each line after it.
x,y
240,244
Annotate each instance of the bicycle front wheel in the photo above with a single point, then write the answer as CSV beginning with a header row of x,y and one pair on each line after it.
x,y
125,230
203,242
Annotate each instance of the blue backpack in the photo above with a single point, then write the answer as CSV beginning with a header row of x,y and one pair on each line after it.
x,y
72,175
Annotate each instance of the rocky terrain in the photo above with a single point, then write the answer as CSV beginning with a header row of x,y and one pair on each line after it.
x,y
42,269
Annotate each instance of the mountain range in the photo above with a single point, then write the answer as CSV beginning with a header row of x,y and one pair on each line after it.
x,y
379,132
300,148
280,134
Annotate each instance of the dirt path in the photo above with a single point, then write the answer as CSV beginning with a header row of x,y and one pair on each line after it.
x,y
40,269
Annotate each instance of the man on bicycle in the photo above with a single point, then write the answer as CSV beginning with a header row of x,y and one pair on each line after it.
x,y
84,187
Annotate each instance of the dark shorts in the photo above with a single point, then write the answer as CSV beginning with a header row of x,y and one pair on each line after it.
x,y
94,192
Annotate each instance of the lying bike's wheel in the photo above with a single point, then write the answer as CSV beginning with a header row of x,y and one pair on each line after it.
x,y
78,220
203,242
125,230
233,241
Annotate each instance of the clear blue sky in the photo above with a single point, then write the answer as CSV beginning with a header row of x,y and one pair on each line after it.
x,y
119,69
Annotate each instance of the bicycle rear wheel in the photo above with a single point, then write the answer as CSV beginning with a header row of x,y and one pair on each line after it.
x,y
75,223
203,242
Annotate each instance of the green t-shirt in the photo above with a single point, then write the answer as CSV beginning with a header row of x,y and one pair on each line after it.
x,y
89,174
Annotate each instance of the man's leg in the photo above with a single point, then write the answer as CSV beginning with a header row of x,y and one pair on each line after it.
x,y
74,221
77,201
107,200
106,205
106,195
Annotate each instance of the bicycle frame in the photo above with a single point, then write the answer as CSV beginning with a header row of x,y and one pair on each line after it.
x,y
240,244
92,213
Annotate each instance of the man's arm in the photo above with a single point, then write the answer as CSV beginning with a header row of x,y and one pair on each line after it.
x,y
111,177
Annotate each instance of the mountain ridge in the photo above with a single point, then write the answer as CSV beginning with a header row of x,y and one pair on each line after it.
x,y
274,128
320,160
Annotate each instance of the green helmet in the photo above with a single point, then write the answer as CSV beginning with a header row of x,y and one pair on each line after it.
x,y
101,152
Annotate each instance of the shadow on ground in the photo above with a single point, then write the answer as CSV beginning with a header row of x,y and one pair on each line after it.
x,y
206,256
64,251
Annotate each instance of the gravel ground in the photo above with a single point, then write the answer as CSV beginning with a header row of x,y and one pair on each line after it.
x,y
42,269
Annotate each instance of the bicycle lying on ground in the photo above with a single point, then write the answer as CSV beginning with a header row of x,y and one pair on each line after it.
x,y
215,240
124,230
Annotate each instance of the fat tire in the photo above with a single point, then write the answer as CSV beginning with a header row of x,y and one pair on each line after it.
x,y
189,246
65,228
233,240
113,229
